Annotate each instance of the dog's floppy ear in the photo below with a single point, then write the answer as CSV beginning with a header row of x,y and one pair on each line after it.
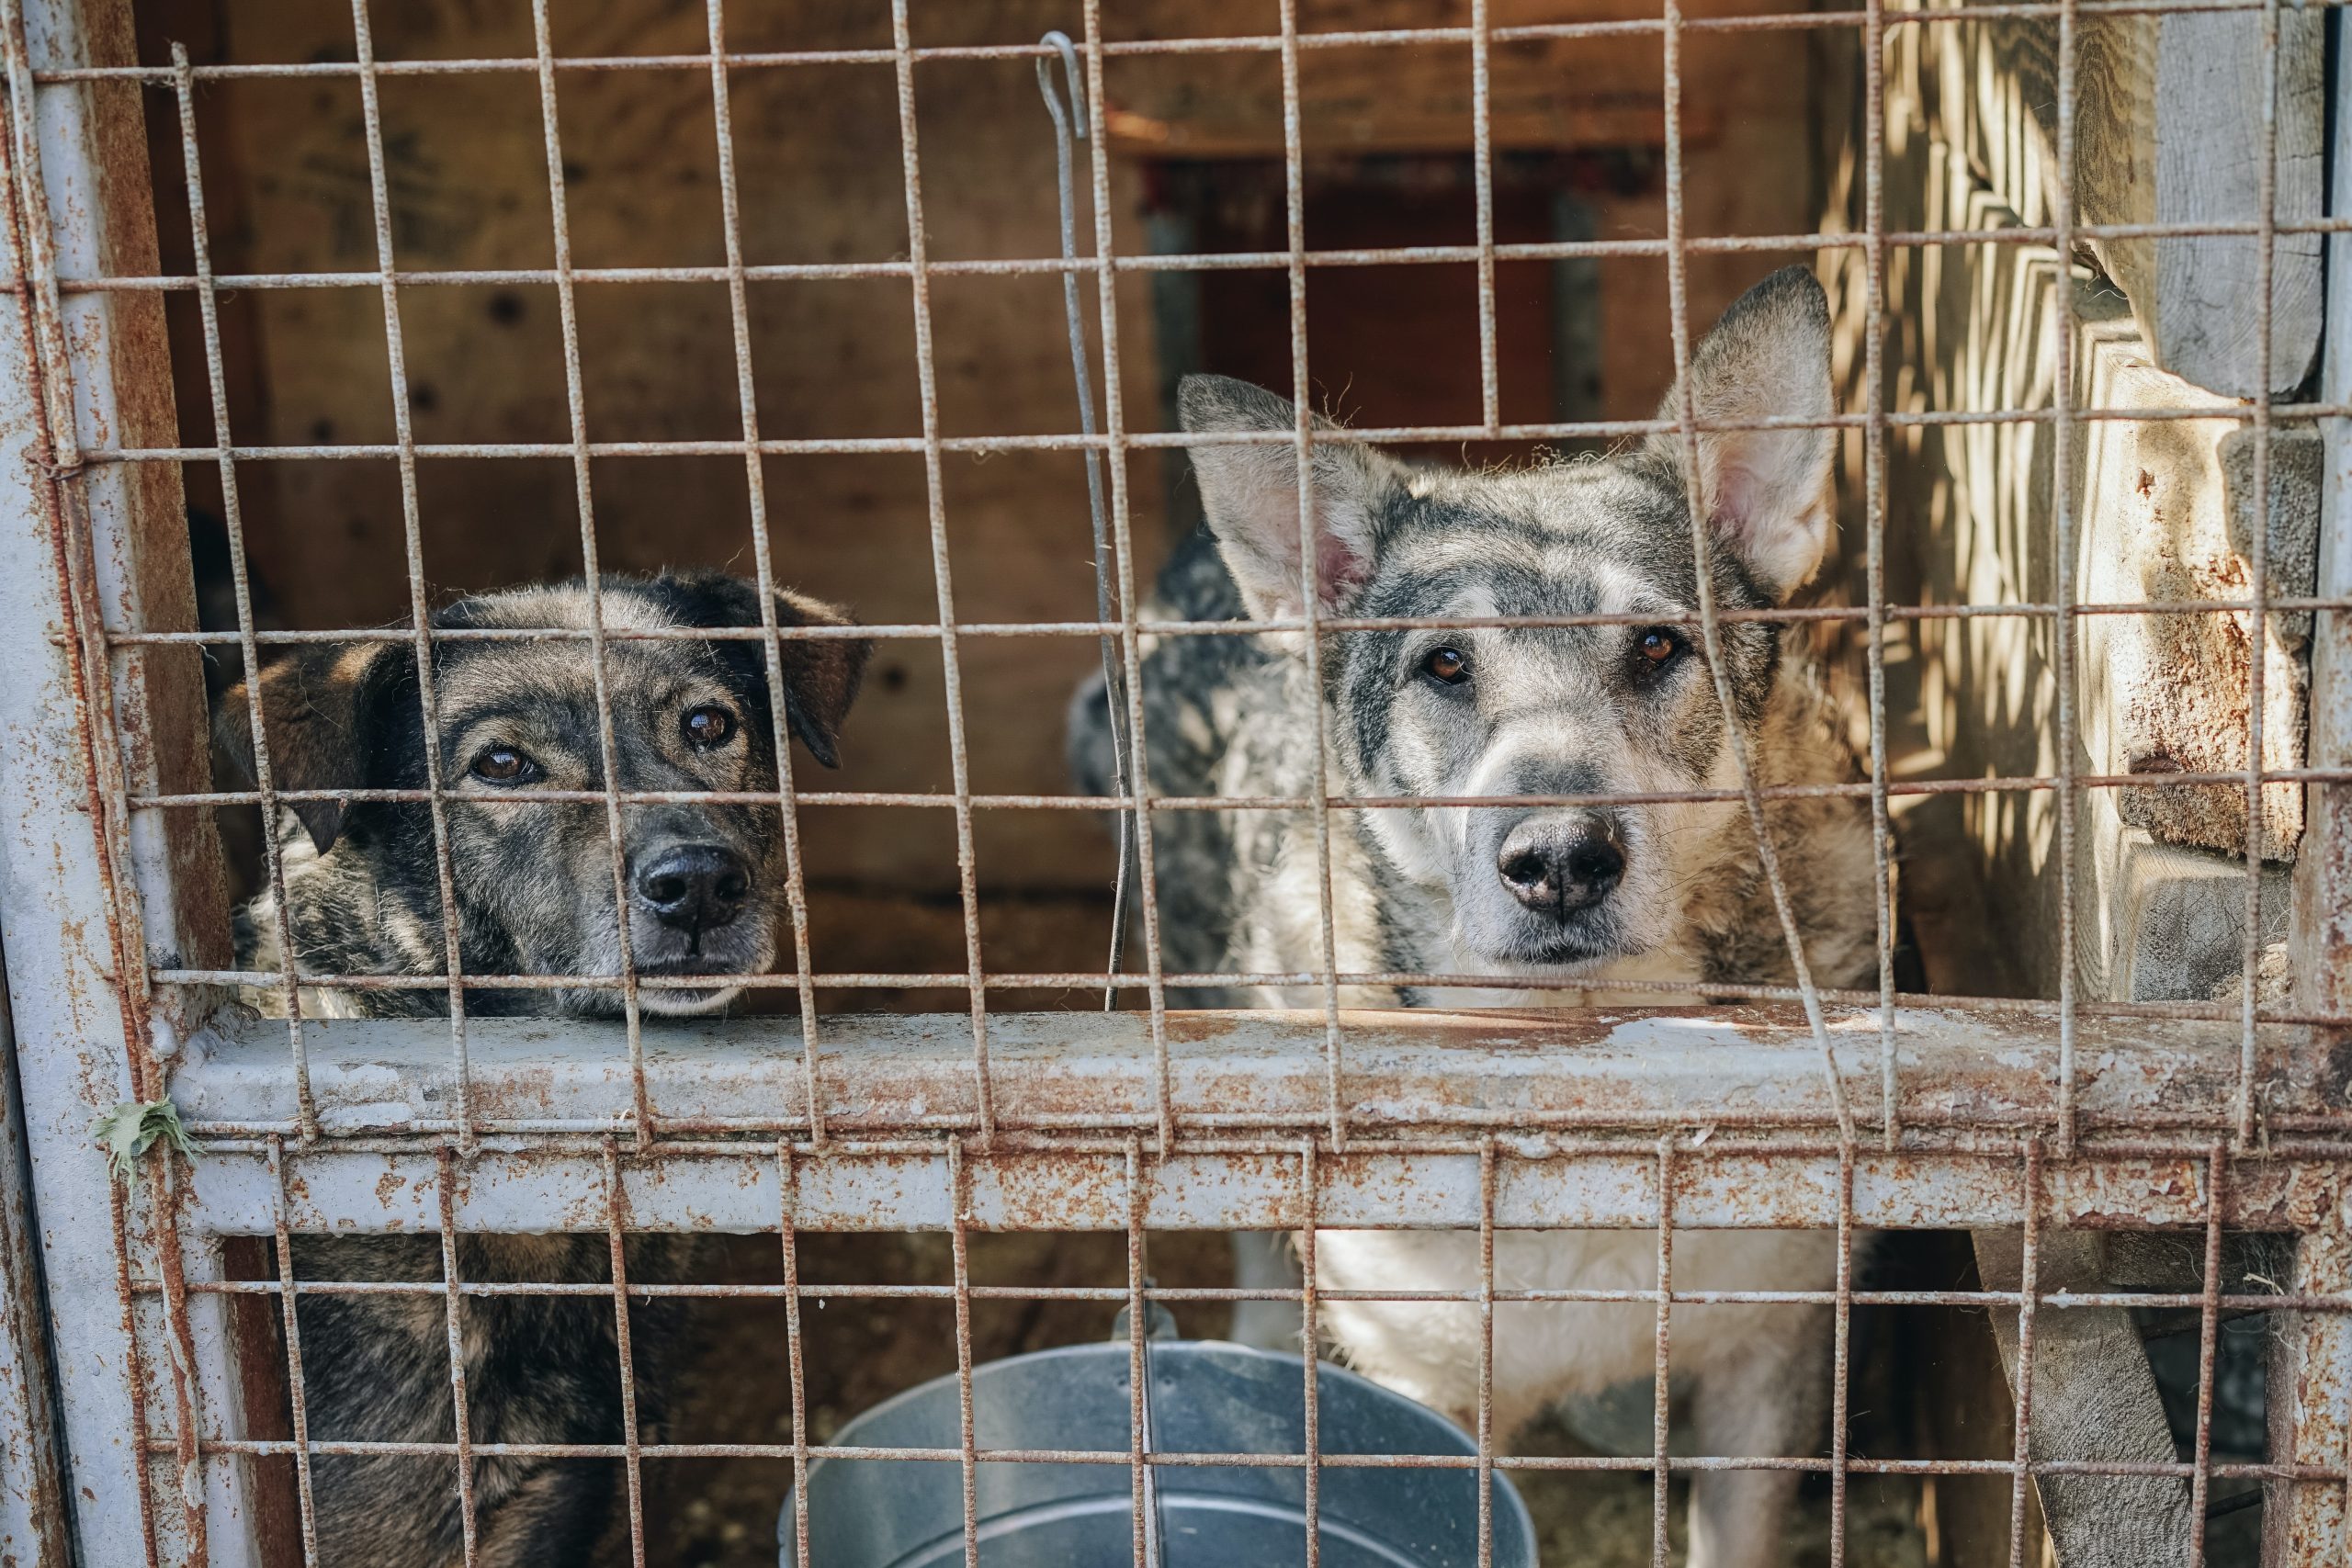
x,y
821,674
1766,491
1251,493
322,707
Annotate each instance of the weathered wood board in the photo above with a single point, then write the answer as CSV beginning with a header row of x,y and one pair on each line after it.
x,y
2169,128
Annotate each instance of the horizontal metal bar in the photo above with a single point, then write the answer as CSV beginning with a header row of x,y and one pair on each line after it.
x,y
1785,616
2059,1299
1678,1464
1250,43
2030,1008
1599,1068
933,800
1183,261
863,445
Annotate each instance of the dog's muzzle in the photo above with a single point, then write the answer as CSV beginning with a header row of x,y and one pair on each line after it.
x,y
695,888
1559,862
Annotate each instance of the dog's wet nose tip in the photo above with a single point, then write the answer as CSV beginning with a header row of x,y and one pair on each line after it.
x,y
1556,868
694,887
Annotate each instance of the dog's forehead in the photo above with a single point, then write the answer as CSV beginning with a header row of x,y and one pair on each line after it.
x,y
1563,539
562,669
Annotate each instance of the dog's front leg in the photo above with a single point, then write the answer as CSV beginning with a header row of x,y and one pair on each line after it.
x,y
1764,1401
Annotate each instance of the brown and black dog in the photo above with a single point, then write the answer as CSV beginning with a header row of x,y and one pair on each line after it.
x,y
535,895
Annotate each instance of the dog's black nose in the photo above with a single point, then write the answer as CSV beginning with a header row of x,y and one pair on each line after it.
x,y
694,887
1556,866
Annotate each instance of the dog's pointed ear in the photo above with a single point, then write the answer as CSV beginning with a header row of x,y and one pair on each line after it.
x,y
1766,491
321,705
1250,494
821,674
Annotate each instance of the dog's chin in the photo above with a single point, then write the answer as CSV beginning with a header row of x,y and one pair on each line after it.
x,y
664,1002
1577,946
663,953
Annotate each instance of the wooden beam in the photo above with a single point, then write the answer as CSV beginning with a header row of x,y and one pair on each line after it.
x,y
2167,130
1544,94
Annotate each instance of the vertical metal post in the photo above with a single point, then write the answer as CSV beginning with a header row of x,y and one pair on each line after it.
x,y
93,549
2310,1402
32,1495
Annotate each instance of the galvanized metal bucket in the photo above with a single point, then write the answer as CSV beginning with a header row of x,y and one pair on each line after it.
x,y
1204,1398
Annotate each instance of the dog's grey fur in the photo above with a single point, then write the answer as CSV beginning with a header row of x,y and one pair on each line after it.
x,y
1557,712
535,895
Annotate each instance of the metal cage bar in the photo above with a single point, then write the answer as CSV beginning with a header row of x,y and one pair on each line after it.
x,y
2201,1118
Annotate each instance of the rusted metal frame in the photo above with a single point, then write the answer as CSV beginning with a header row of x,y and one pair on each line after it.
x,y
135,1374
297,1397
241,582
182,1347
787,1181
1310,595
1974,1074
1794,616
33,1499
1353,39
796,887
1196,261
1842,1354
632,1456
959,1242
1663,1342
2230,1305
1640,1464
36,244
67,782
592,572
2310,1404
419,596
985,446
1115,432
1950,1167
943,576
2029,1277
2209,1326
2259,569
1308,1195
1482,165
1254,803
1874,543
444,1192
1145,1520
1485,1298
1710,629
2062,507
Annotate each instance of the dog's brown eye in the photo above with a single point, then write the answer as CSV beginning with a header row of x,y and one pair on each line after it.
x,y
1450,665
504,764
1660,647
710,726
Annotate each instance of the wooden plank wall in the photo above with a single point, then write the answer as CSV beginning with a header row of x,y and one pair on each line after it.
x,y
819,159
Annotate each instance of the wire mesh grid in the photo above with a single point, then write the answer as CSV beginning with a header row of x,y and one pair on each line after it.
x,y
2247,1164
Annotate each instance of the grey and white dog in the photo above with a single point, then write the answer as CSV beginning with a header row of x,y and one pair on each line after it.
x,y
534,897
1512,891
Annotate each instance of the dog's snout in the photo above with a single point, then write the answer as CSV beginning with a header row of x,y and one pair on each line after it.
x,y
694,887
1555,865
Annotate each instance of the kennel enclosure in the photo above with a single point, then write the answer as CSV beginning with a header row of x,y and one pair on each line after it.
x,y
146,1370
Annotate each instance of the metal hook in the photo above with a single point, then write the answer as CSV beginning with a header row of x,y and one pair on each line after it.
x,y
1071,123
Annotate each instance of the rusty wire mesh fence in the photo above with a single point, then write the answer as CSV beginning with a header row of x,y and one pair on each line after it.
x,y
1794,1105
